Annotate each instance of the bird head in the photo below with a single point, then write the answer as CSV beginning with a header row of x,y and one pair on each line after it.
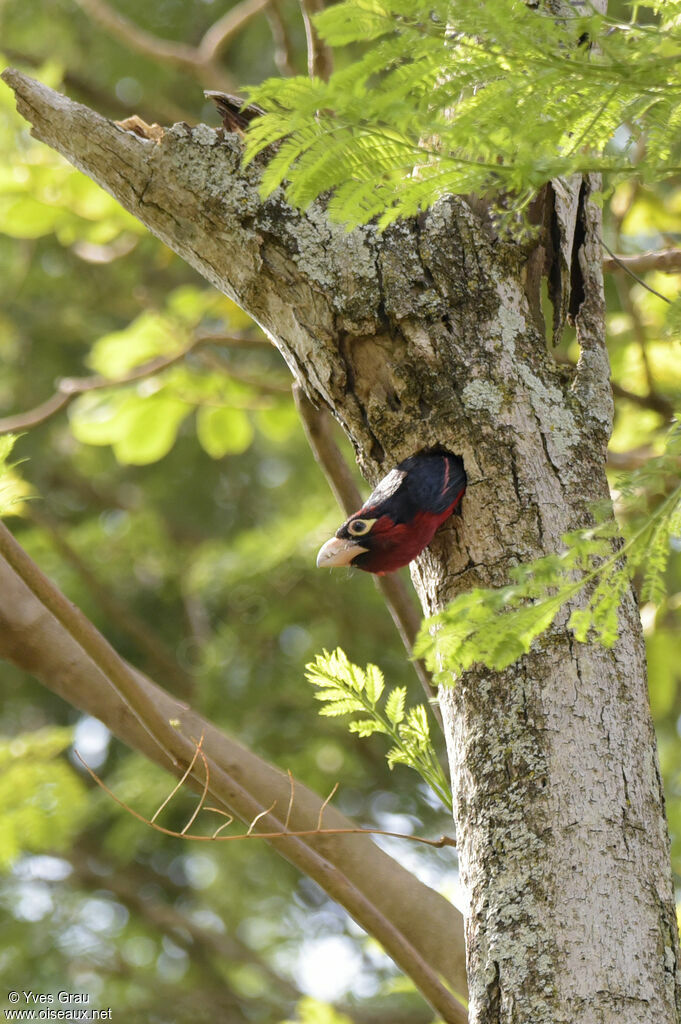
x,y
400,517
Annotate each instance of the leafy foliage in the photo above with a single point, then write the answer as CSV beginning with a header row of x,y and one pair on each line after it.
x,y
471,98
42,798
41,194
347,689
141,420
13,490
497,626
311,1011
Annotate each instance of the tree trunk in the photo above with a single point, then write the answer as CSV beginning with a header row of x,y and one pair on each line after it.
x,y
428,334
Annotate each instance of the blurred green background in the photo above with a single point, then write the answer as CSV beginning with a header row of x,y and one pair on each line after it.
x,y
182,513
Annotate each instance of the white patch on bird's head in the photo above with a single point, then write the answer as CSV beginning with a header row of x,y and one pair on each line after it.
x,y
386,488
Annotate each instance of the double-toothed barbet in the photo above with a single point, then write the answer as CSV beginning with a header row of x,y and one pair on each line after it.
x,y
399,519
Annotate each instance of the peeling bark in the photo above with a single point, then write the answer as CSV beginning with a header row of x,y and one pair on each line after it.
x,y
425,335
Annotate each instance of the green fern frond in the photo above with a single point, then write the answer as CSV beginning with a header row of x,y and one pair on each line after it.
x,y
347,689
507,91
590,576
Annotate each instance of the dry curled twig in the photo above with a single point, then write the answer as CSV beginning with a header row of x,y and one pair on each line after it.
x,y
250,834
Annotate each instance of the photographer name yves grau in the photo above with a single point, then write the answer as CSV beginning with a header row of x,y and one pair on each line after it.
x,y
49,998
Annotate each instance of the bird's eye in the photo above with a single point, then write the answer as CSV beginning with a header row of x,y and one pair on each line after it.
x,y
360,527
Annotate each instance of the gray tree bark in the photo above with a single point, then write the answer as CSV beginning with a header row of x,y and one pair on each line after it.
x,y
431,334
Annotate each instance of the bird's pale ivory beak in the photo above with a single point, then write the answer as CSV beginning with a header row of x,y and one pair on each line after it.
x,y
337,552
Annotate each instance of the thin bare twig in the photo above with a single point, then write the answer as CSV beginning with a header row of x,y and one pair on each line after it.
x,y
180,782
261,383
257,819
319,55
325,805
222,31
69,388
291,799
39,414
225,824
621,265
283,44
201,60
327,453
202,799
214,837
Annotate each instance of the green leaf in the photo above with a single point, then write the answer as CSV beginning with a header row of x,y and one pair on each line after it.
x,y
140,429
13,490
342,707
367,727
223,431
394,706
149,335
334,693
278,422
28,218
510,96
347,689
94,417
341,669
417,721
375,683
312,1011
148,429
42,798
396,755
673,318
7,442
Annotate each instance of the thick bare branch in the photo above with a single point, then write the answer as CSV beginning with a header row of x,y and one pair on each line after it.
x,y
164,664
668,261
373,887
